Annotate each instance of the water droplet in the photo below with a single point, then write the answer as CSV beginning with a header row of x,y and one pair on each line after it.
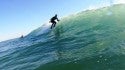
x,y
105,59
98,61
100,56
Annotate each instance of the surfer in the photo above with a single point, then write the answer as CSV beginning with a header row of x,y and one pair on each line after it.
x,y
53,21
22,36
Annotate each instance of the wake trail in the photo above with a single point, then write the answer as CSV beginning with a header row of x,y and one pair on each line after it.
x,y
45,28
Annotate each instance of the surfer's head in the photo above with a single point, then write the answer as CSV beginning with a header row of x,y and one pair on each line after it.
x,y
55,15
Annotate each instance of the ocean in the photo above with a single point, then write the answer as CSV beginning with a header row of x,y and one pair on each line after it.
x,y
89,40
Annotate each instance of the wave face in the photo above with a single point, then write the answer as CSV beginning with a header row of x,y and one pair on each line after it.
x,y
89,40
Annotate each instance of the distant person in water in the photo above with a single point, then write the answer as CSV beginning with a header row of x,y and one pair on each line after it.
x,y
22,36
53,21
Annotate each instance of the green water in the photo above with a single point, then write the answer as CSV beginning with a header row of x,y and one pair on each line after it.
x,y
89,40
102,62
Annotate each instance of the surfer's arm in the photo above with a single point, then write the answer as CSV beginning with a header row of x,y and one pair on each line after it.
x,y
58,19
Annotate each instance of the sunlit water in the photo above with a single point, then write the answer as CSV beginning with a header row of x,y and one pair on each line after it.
x,y
89,40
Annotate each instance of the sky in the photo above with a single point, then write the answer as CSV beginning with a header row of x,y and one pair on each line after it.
x,y
20,17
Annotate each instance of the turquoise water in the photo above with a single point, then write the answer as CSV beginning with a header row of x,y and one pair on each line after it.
x,y
89,40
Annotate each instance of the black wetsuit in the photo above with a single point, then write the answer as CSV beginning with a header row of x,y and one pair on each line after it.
x,y
52,20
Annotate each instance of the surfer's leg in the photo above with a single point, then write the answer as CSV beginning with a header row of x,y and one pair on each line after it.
x,y
54,24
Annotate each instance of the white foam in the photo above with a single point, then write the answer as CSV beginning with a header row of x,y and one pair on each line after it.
x,y
119,1
41,30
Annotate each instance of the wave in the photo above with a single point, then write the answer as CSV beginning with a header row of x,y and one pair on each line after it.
x,y
89,40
